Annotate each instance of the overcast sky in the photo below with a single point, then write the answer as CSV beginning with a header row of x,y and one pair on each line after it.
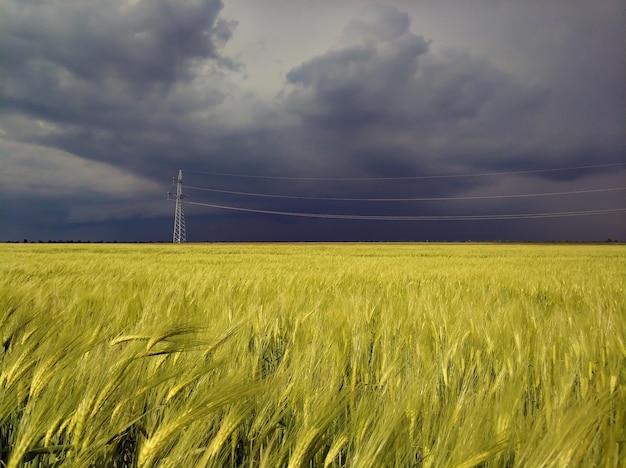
x,y
103,101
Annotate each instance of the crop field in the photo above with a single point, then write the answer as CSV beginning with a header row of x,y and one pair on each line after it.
x,y
312,355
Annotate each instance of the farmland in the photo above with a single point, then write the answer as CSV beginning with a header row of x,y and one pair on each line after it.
x,y
312,355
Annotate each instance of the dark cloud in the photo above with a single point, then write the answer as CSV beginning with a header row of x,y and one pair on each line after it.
x,y
115,79
148,42
144,88
442,108
386,104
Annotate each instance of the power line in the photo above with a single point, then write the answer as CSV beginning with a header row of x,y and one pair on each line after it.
x,y
441,176
558,214
479,197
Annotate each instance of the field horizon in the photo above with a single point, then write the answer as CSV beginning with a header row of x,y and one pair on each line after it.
x,y
296,242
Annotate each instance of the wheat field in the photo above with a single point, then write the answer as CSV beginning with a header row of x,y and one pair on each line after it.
x,y
312,355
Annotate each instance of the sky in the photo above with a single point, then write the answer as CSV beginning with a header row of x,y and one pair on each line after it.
x,y
346,110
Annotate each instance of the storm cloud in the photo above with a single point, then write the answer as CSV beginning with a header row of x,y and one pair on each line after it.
x,y
116,74
103,101
390,93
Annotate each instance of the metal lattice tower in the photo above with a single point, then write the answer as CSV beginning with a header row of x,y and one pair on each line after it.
x,y
180,235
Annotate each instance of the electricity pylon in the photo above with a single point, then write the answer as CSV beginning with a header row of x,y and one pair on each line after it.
x,y
180,235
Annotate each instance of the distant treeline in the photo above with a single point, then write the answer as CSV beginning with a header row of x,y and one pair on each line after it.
x,y
51,241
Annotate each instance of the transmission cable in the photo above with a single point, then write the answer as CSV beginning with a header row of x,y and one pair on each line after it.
x,y
478,197
440,176
558,214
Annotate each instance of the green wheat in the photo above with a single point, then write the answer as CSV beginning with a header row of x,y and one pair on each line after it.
x,y
312,355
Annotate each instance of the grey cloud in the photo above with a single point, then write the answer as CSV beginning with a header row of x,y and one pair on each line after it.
x,y
356,85
385,23
149,41
110,64
398,98
118,81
